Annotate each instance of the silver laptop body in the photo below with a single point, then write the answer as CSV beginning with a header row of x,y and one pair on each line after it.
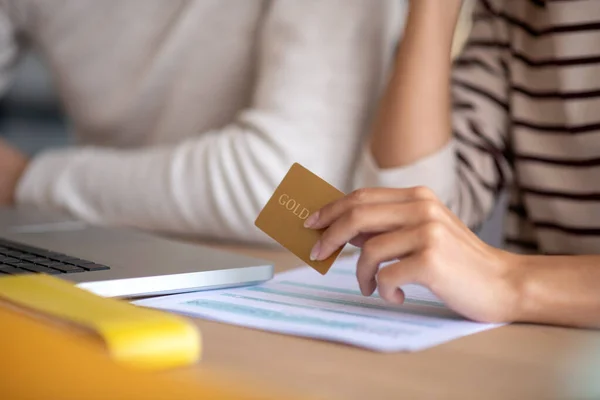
x,y
140,264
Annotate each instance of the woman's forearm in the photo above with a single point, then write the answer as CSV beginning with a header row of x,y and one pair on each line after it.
x,y
414,116
560,290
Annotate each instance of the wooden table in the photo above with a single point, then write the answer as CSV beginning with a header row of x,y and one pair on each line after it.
x,y
512,362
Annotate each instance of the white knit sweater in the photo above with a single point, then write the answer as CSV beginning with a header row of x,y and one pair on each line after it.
x,y
189,113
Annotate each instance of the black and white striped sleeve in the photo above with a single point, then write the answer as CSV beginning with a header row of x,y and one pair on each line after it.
x,y
480,118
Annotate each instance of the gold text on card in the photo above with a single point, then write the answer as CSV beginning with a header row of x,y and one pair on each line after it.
x,y
292,205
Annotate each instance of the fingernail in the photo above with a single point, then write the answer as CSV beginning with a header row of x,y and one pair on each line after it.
x,y
314,253
312,220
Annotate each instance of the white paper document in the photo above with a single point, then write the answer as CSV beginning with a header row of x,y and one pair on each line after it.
x,y
304,303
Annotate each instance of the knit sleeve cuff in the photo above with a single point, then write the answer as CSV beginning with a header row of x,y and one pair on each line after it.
x,y
436,171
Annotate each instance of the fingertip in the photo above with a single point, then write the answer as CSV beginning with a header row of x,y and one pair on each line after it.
x,y
369,288
312,221
372,286
364,290
398,296
394,296
315,252
325,250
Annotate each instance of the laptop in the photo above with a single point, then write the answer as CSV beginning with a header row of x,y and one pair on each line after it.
x,y
117,262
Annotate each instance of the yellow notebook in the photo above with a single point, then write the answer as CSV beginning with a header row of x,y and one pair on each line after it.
x,y
43,360
132,335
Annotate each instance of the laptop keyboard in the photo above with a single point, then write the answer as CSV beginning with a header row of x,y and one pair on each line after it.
x,y
16,258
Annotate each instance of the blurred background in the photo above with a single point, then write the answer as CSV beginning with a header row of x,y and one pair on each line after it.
x,y
30,114
31,118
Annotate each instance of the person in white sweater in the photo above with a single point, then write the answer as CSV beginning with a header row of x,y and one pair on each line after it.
x,y
187,114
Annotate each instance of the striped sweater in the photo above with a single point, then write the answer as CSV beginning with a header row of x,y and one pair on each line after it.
x,y
526,119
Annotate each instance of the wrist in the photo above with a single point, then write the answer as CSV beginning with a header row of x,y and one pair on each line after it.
x,y
15,175
558,290
515,277
525,287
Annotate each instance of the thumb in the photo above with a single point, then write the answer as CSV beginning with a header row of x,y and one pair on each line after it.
x,y
392,276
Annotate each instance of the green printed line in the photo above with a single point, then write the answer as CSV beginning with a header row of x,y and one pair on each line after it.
x,y
321,287
345,303
283,303
297,319
358,293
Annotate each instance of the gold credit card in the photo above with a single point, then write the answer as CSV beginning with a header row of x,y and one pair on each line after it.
x,y
299,194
